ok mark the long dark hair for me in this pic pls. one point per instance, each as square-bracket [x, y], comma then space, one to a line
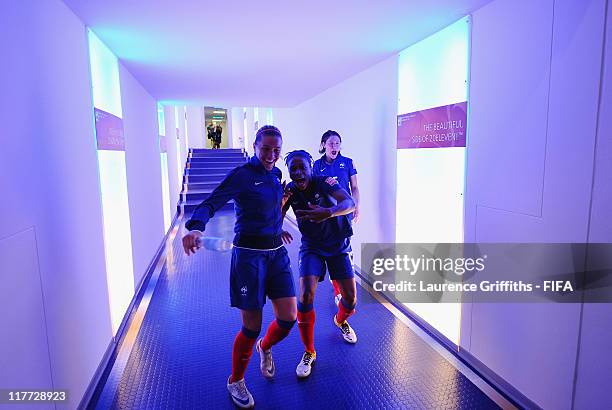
[326, 135]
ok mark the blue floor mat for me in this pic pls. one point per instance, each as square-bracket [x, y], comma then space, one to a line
[182, 354]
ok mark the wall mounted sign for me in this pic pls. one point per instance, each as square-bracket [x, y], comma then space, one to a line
[438, 127]
[109, 131]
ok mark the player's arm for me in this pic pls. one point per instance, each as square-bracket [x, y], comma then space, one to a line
[287, 192]
[344, 204]
[285, 209]
[354, 189]
[286, 204]
[355, 195]
[226, 190]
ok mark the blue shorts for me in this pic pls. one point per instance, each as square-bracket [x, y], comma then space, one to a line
[256, 274]
[313, 263]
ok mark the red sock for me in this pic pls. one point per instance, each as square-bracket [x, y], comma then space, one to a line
[241, 354]
[277, 331]
[306, 321]
[343, 312]
[336, 288]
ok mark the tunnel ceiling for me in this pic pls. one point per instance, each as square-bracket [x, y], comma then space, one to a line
[266, 53]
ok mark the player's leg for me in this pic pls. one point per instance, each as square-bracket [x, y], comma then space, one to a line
[281, 291]
[312, 270]
[241, 355]
[341, 269]
[245, 295]
[244, 342]
[348, 290]
[337, 293]
[306, 322]
[285, 312]
[306, 312]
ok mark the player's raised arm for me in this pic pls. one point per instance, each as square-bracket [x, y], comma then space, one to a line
[227, 189]
[345, 205]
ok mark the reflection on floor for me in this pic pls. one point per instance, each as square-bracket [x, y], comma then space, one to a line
[181, 357]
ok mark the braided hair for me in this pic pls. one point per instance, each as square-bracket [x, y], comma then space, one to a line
[267, 131]
[298, 153]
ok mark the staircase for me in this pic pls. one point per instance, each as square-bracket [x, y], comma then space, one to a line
[205, 169]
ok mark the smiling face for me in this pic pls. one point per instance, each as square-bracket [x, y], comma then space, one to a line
[300, 172]
[332, 147]
[268, 150]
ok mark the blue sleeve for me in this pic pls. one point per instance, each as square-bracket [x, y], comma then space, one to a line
[329, 187]
[352, 170]
[316, 167]
[289, 203]
[227, 189]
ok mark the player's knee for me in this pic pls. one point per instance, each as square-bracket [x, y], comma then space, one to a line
[291, 315]
[250, 333]
[286, 324]
[287, 313]
[307, 296]
[349, 299]
[251, 319]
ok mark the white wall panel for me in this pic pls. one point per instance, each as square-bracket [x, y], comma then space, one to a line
[530, 155]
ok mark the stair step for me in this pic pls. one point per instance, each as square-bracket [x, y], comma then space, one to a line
[195, 195]
[197, 191]
[234, 160]
[226, 157]
[190, 206]
[196, 186]
[216, 178]
[217, 154]
[221, 151]
[204, 165]
[208, 171]
[204, 170]
[229, 210]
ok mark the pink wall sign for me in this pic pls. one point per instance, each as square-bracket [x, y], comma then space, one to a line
[438, 127]
[109, 131]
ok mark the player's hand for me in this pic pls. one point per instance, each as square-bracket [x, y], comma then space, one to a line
[356, 215]
[316, 214]
[286, 237]
[331, 181]
[286, 194]
[190, 242]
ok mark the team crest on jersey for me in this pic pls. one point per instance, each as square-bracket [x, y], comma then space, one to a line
[243, 290]
[342, 165]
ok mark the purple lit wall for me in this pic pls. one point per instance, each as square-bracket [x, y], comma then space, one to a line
[172, 144]
[51, 215]
[53, 292]
[533, 118]
[594, 362]
[143, 171]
